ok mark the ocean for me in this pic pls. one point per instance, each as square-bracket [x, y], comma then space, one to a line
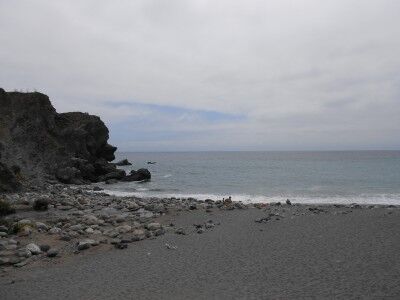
[365, 177]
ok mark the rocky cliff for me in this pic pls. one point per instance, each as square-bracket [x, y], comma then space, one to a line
[39, 144]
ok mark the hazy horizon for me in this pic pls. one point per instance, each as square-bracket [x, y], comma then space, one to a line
[214, 75]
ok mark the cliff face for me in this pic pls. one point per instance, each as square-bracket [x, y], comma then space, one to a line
[37, 143]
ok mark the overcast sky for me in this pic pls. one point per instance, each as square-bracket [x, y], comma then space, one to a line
[214, 75]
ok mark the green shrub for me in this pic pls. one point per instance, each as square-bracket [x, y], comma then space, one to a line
[6, 208]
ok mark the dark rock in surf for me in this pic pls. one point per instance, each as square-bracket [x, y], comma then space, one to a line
[139, 175]
[123, 162]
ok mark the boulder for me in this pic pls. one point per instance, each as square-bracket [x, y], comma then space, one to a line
[139, 175]
[38, 143]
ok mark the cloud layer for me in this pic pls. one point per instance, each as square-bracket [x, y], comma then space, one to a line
[214, 75]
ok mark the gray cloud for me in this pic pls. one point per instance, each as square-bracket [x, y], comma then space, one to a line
[305, 74]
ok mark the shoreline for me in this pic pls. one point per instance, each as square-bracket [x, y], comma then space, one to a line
[83, 217]
[225, 252]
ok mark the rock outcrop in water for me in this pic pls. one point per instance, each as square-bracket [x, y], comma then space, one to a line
[39, 144]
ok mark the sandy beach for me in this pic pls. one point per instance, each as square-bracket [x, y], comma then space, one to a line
[295, 253]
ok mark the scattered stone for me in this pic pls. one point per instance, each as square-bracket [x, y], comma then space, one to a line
[153, 226]
[121, 246]
[41, 204]
[44, 248]
[4, 261]
[33, 248]
[262, 220]
[97, 188]
[288, 202]
[115, 241]
[21, 264]
[24, 253]
[124, 228]
[41, 226]
[168, 246]
[86, 244]
[200, 230]
[52, 253]
[54, 230]
[180, 231]
[90, 220]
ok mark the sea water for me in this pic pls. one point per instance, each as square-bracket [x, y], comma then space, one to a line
[303, 177]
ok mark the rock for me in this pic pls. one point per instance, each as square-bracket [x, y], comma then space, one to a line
[3, 234]
[52, 253]
[4, 261]
[123, 162]
[24, 222]
[159, 232]
[121, 246]
[180, 231]
[138, 235]
[262, 220]
[111, 233]
[97, 189]
[3, 228]
[86, 244]
[168, 246]
[153, 226]
[41, 204]
[89, 230]
[111, 181]
[3, 245]
[22, 263]
[200, 230]
[54, 230]
[23, 252]
[115, 241]
[38, 144]
[132, 206]
[24, 230]
[90, 220]
[33, 248]
[288, 202]
[116, 174]
[76, 227]
[124, 228]
[192, 207]
[139, 175]
[41, 226]
[44, 247]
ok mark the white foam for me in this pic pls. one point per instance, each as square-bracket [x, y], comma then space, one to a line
[361, 199]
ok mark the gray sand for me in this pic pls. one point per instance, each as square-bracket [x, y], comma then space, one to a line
[353, 255]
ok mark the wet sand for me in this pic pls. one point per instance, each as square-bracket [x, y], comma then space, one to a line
[341, 253]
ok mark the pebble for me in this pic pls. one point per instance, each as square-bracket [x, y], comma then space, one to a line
[44, 248]
[153, 226]
[52, 253]
[33, 248]
[54, 230]
[180, 231]
[124, 228]
[121, 246]
[41, 226]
